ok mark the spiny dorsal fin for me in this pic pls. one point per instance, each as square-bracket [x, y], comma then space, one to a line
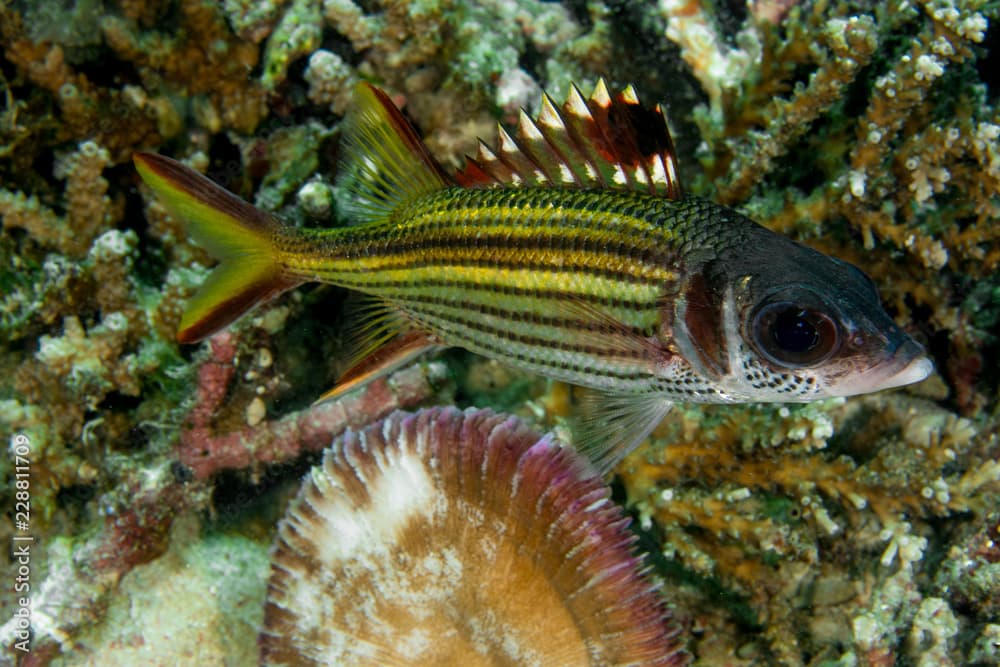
[600, 142]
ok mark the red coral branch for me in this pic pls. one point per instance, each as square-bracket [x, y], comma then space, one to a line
[206, 452]
[138, 533]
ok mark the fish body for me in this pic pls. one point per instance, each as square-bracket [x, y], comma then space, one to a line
[564, 254]
[497, 271]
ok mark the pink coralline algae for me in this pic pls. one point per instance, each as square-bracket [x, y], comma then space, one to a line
[205, 451]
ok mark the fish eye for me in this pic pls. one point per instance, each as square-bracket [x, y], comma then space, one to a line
[793, 335]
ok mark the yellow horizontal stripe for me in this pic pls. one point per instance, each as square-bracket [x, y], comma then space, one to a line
[501, 278]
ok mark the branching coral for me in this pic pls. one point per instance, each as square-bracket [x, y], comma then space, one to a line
[847, 46]
[215, 77]
[68, 395]
[768, 501]
[455, 62]
[856, 122]
[257, 442]
[88, 208]
[910, 154]
[86, 110]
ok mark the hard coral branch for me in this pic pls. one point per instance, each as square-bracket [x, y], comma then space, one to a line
[901, 151]
[779, 518]
[89, 211]
[851, 44]
[207, 452]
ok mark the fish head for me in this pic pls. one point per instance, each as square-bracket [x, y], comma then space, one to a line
[772, 320]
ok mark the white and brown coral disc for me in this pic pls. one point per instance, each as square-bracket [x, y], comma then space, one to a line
[459, 538]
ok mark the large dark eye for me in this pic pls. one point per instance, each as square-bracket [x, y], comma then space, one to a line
[793, 335]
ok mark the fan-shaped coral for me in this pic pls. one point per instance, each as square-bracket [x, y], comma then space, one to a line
[446, 538]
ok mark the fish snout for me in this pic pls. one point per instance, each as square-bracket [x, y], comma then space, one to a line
[911, 363]
[907, 364]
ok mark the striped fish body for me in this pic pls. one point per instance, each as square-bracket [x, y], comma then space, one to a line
[562, 253]
[520, 274]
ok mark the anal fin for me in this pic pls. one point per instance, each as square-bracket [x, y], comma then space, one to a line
[610, 425]
[398, 351]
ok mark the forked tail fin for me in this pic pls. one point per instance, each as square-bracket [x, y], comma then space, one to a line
[239, 235]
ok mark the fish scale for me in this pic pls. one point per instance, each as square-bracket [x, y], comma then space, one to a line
[486, 244]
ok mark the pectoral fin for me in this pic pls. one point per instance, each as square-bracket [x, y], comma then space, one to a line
[610, 426]
[596, 328]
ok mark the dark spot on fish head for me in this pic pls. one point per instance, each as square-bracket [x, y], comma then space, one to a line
[693, 318]
[703, 319]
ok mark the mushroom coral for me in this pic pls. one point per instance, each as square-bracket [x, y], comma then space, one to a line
[446, 537]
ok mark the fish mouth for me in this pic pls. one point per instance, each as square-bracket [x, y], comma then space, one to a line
[916, 370]
[906, 365]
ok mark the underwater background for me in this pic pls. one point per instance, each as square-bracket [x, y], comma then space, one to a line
[144, 480]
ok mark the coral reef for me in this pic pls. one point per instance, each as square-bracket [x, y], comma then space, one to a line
[214, 582]
[136, 515]
[88, 209]
[902, 140]
[261, 442]
[769, 519]
[855, 532]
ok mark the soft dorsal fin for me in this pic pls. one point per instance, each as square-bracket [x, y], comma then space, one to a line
[385, 163]
[600, 142]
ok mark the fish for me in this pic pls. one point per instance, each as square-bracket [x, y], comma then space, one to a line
[568, 249]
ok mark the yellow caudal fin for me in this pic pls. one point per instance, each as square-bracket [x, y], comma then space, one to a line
[385, 163]
[239, 235]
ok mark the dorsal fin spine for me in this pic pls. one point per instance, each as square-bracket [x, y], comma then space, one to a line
[553, 127]
[538, 149]
[601, 96]
[603, 141]
[521, 167]
[490, 162]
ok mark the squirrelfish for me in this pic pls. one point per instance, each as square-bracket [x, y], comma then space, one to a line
[569, 251]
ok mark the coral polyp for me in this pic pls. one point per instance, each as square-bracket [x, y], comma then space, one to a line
[447, 537]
